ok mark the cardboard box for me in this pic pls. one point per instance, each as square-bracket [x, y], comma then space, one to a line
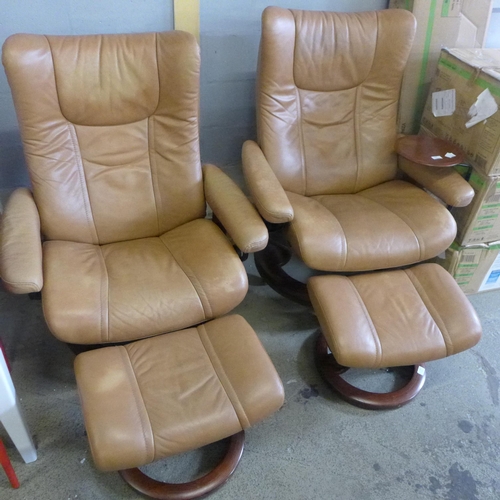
[475, 268]
[479, 222]
[469, 72]
[440, 23]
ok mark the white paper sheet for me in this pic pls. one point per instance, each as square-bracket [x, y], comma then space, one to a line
[484, 107]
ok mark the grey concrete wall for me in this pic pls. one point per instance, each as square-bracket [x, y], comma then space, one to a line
[230, 33]
[64, 17]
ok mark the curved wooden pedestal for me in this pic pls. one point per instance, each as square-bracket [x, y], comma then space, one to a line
[269, 263]
[331, 372]
[194, 489]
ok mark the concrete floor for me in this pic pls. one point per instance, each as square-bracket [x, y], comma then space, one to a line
[444, 445]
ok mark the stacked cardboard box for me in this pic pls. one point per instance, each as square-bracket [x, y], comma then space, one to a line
[469, 72]
[440, 23]
[476, 268]
[474, 259]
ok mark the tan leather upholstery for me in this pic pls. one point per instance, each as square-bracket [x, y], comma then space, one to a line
[267, 192]
[394, 318]
[445, 183]
[176, 392]
[389, 225]
[134, 289]
[327, 100]
[110, 131]
[21, 246]
[328, 95]
[232, 208]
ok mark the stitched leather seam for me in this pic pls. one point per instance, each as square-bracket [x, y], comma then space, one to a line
[294, 224]
[158, 74]
[376, 46]
[301, 140]
[344, 240]
[83, 183]
[36, 285]
[278, 215]
[80, 169]
[256, 244]
[194, 282]
[139, 398]
[152, 168]
[433, 312]
[402, 218]
[356, 137]
[225, 383]
[104, 329]
[329, 336]
[378, 344]
[357, 148]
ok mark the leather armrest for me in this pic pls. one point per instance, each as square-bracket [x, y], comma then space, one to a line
[238, 216]
[267, 193]
[445, 183]
[21, 244]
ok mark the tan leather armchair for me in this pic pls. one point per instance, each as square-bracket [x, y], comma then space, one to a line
[114, 235]
[323, 172]
[110, 132]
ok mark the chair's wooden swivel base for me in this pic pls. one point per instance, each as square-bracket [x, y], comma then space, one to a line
[173, 393]
[386, 319]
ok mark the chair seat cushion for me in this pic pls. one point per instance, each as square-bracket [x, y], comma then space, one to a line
[390, 225]
[394, 318]
[175, 392]
[134, 289]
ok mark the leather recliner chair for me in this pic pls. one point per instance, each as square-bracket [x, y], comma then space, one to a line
[110, 132]
[324, 173]
[114, 235]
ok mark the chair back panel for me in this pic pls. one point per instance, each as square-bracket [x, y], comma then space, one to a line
[110, 132]
[327, 96]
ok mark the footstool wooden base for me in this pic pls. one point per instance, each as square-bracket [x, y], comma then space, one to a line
[386, 319]
[173, 393]
[331, 371]
[194, 489]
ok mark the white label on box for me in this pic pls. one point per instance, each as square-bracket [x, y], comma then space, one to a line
[469, 257]
[443, 103]
[492, 278]
[484, 107]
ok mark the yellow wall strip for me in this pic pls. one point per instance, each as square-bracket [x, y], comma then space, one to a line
[187, 16]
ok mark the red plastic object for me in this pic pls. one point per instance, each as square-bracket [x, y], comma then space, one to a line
[7, 466]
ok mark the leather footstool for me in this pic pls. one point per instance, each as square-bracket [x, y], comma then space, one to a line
[386, 319]
[172, 393]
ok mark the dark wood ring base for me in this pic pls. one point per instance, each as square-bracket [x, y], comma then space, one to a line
[194, 489]
[331, 372]
[269, 263]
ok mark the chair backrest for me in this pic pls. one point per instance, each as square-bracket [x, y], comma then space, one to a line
[327, 96]
[110, 132]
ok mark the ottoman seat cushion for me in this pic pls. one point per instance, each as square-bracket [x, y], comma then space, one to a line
[394, 318]
[175, 392]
